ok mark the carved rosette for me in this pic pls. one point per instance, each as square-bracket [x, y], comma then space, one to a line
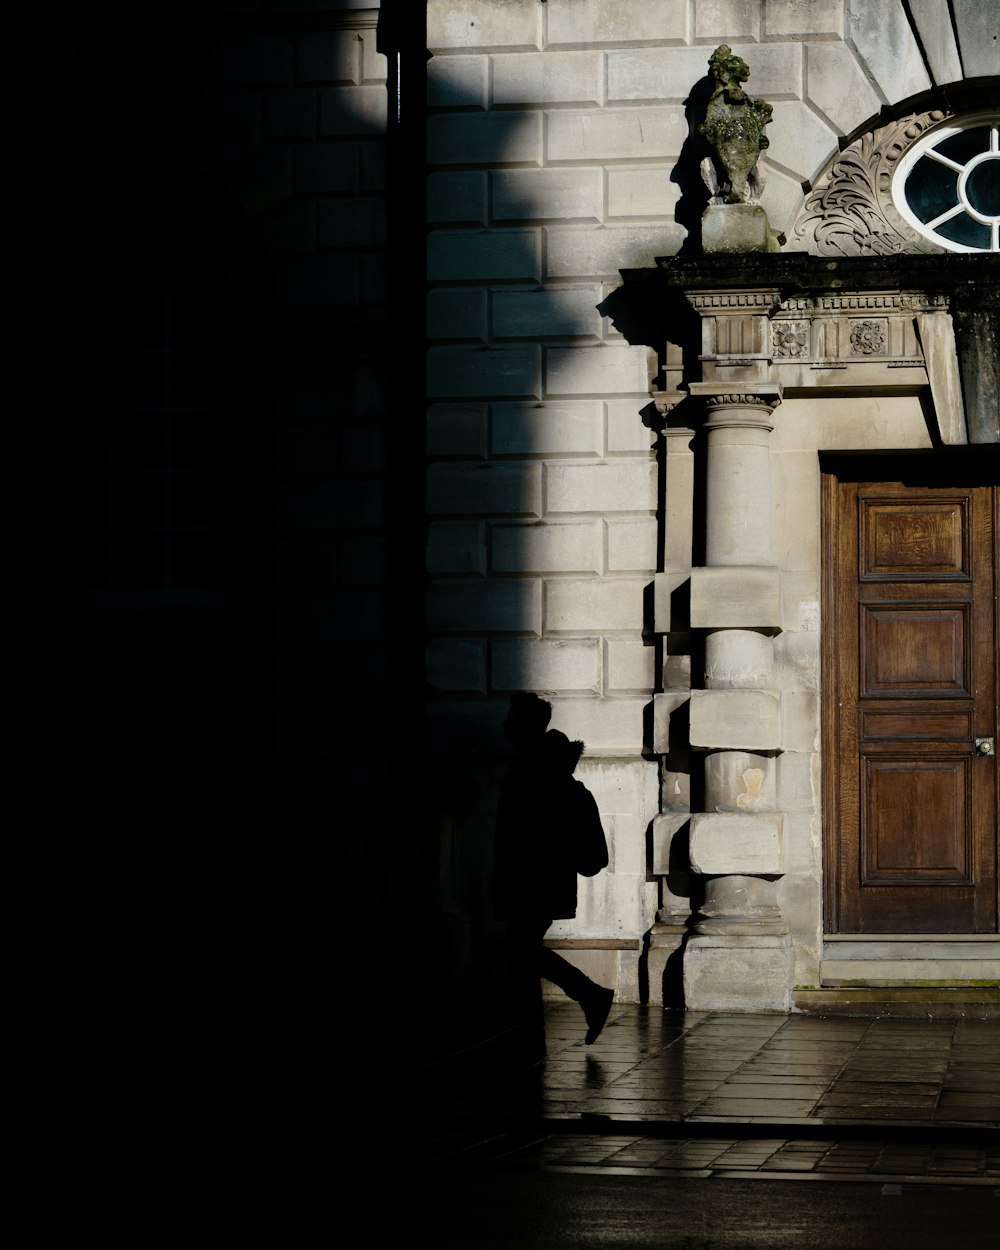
[867, 338]
[790, 338]
[850, 212]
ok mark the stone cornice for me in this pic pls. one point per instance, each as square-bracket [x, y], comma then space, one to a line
[793, 273]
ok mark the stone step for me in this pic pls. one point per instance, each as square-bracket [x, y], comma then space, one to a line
[980, 1002]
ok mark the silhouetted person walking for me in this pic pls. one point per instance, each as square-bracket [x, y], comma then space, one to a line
[547, 829]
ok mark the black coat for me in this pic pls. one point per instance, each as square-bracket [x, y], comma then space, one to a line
[534, 870]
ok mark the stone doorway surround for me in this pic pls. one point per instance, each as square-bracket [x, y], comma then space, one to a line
[785, 356]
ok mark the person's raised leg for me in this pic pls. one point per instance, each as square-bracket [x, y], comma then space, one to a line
[593, 998]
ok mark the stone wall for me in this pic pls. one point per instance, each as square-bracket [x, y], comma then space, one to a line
[562, 149]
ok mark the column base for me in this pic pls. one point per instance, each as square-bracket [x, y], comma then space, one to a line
[664, 962]
[744, 972]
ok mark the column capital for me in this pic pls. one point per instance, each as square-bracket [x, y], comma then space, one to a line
[751, 399]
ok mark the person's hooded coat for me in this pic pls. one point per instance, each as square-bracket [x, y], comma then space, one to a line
[534, 864]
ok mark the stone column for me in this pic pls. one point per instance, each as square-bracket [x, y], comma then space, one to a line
[738, 954]
[671, 861]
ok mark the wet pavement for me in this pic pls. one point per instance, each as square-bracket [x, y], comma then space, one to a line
[711, 1093]
[687, 1130]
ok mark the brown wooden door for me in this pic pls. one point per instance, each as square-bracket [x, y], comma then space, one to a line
[911, 664]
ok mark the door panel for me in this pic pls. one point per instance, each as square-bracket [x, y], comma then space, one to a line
[910, 661]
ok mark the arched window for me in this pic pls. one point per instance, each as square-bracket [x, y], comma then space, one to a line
[947, 185]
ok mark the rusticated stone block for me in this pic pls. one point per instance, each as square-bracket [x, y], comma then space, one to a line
[736, 719]
[733, 842]
[666, 610]
[665, 705]
[738, 973]
[736, 597]
[665, 828]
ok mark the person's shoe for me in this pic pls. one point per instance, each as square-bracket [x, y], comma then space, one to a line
[596, 1010]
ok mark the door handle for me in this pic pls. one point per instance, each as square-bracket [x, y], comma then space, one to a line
[985, 746]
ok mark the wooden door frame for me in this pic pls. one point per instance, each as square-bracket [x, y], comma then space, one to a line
[831, 467]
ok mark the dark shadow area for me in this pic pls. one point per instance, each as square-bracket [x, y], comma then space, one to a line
[211, 735]
[687, 172]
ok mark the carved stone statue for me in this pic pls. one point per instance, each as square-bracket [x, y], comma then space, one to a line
[734, 128]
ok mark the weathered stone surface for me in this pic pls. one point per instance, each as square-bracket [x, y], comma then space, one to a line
[631, 544]
[456, 548]
[616, 135]
[937, 338]
[550, 194]
[626, 429]
[331, 57]
[629, 666]
[570, 547]
[738, 659]
[458, 255]
[457, 81]
[977, 331]
[668, 74]
[665, 705]
[457, 664]
[801, 143]
[736, 719]
[668, 587]
[796, 486]
[535, 314]
[800, 727]
[587, 252]
[740, 781]
[546, 428]
[352, 110]
[978, 30]
[719, 19]
[547, 78]
[576, 23]
[736, 228]
[913, 971]
[837, 86]
[666, 829]
[641, 192]
[472, 24]
[723, 842]
[608, 726]
[878, 29]
[493, 607]
[818, 19]
[597, 370]
[482, 138]
[457, 197]
[580, 606]
[781, 199]
[735, 597]
[739, 973]
[569, 665]
[614, 486]
[473, 371]
[456, 313]
[937, 35]
[488, 488]
[456, 430]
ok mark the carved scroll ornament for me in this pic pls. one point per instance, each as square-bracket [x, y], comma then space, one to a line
[850, 212]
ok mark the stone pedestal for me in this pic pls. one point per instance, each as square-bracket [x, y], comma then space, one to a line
[741, 972]
[736, 228]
